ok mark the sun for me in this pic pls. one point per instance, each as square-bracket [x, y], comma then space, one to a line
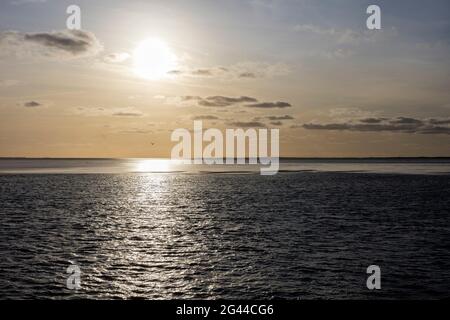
[153, 59]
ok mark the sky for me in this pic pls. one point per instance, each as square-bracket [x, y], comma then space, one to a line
[312, 69]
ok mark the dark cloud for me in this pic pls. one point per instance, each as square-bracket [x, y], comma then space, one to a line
[329, 126]
[372, 120]
[403, 120]
[439, 121]
[204, 117]
[224, 101]
[221, 101]
[32, 104]
[362, 127]
[72, 43]
[269, 105]
[276, 118]
[399, 124]
[436, 130]
[250, 124]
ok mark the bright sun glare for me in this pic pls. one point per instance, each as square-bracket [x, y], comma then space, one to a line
[153, 59]
[153, 165]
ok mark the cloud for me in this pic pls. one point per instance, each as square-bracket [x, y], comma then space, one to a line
[277, 118]
[224, 101]
[403, 120]
[372, 120]
[8, 83]
[136, 131]
[19, 2]
[72, 41]
[436, 130]
[117, 57]
[314, 29]
[276, 123]
[255, 69]
[32, 104]
[346, 36]
[269, 105]
[439, 121]
[399, 124]
[247, 75]
[221, 101]
[191, 98]
[56, 44]
[338, 53]
[205, 117]
[266, 4]
[115, 112]
[242, 70]
[342, 36]
[250, 124]
[175, 72]
[202, 72]
[127, 114]
[351, 113]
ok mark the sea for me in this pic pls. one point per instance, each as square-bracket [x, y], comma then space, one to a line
[154, 229]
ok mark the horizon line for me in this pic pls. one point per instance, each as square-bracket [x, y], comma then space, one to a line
[281, 158]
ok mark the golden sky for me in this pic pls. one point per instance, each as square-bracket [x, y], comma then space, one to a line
[139, 69]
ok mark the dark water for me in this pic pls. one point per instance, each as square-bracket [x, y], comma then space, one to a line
[293, 235]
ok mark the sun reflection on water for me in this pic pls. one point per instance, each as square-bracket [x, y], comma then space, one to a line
[153, 165]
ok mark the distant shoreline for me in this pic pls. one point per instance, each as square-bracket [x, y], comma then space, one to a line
[281, 158]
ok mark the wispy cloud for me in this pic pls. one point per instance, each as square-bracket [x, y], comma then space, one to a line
[205, 117]
[115, 112]
[345, 36]
[399, 124]
[8, 83]
[275, 120]
[127, 114]
[243, 70]
[117, 57]
[221, 101]
[19, 2]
